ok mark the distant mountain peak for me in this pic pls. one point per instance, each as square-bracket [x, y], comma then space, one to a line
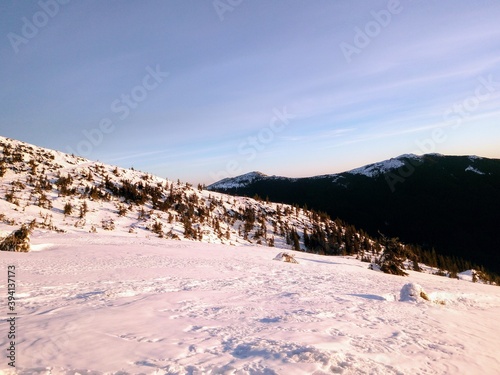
[254, 174]
[238, 181]
[382, 167]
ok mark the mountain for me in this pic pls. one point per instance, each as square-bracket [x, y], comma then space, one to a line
[241, 181]
[46, 190]
[449, 203]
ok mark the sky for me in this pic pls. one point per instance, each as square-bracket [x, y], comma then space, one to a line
[201, 90]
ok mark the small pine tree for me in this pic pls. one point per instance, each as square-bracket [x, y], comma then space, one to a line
[108, 224]
[83, 209]
[10, 196]
[68, 209]
[3, 168]
[44, 202]
[122, 210]
[188, 229]
[416, 267]
[158, 228]
[270, 242]
[142, 214]
[474, 277]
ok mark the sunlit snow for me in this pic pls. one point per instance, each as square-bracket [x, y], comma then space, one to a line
[121, 304]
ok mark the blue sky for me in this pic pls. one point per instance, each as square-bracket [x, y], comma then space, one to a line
[199, 90]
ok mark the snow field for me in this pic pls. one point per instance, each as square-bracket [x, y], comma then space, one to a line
[112, 304]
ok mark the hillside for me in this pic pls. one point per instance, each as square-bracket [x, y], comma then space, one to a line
[449, 203]
[50, 190]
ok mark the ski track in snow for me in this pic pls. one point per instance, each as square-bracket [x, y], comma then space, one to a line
[118, 305]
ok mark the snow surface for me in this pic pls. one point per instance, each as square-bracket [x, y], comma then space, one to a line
[116, 303]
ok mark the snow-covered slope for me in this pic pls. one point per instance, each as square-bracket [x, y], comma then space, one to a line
[70, 194]
[115, 304]
[376, 169]
[239, 181]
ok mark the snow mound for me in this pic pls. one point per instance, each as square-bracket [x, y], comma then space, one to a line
[285, 257]
[412, 292]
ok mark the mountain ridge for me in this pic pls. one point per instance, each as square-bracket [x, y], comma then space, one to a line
[450, 203]
[369, 170]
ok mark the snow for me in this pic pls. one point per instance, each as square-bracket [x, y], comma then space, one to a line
[474, 158]
[115, 303]
[470, 168]
[237, 182]
[376, 169]
[412, 292]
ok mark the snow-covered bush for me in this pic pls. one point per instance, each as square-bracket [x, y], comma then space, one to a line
[18, 240]
[108, 224]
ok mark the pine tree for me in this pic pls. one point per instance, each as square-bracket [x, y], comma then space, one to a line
[68, 209]
[3, 168]
[83, 209]
[158, 228]
[392, 258]
[474, 277]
